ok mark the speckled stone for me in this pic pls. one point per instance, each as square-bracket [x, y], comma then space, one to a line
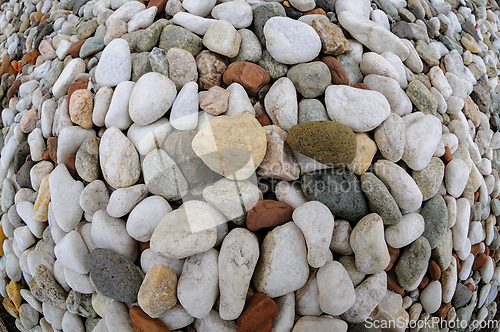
[114, 275]
[45, 288]
[426, 53]
[176, 36]
[325, 141]
[273, 67]
[87, 159]
[429, 179]
[312, 110]
[413, 262]
[421, 97]
[80, 304]
[339, 189]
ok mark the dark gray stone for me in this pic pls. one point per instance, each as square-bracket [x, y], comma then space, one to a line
[114, 275]
[462, 296]
[339, 189]
[402, 30]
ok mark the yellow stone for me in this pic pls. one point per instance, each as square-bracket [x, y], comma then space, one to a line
[332, 38]
[41, 208]
[232, 146]
[286, 3]
[9, 307]
[469, 43]
[13, 291]
[366, 149]
[80, 108]
[158, 291]
[2, 238]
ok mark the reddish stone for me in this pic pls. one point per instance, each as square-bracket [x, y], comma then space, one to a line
[52, 146]
[46, 155]
[487, 250]
[434, 270]
[338, 73]
[447, 157]
[143, 246]
[70, 164]
[263, 120]
[443, 310]
[317, 11]
[393, 284]
[143, 323]
[476, 196]
[470, 286]
[160, 4]
[74, 49]
[13, 89]
[474, 249]
[258, 314]
[394, 253]
[361, 86]
[268, 213]
[425, 280]
[76, 86]
[210, 66]
[479, 262]
[251, 76]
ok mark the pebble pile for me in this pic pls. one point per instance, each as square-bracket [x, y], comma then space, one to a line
[213, 166]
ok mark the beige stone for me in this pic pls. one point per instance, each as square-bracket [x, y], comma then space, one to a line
[80, 108]
[41, 208]
[332, 39]
[233, 146]
[366, 149]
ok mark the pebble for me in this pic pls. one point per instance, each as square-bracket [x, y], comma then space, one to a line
[184, 232]
[430, 178]
[431, 297]
[72, 252]
[237, 260]
[325, 186]
[289, 41]
[114, 275]
[46, 289]
[275, 274]
[410, 227]
[316, 223]
[251, 76]
[456, 176]
[116, 149]
[154, 92]
[158, 291]
[197, 289]
[219, 135]
[147, 138]
[115, 65]
[412, 262]
[118, 110]
[370, 251]
[328, 142]
[123, 200]
[310, 79]
[435, 214]
[398, 100]
[222, 38]
[184, 113]
[145, 216]
[239, 13]
[350, 106]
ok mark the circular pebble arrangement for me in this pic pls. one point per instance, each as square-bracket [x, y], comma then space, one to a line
[243, 165]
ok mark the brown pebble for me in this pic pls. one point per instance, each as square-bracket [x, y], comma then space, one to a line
[160, 4]
[28, 121]
[487, 250]
[459, 266]
[447, 157]
[52, 146]
[251, 76]
[492, 253]
[37, 17]
[46, 155]
[476, 196]
[339, 76]
[268, 213]
[29, 57]
[361, 86]
[442, 66]
[394, 254]
[6, 66]
[425, 280]
[474, 249]
[316, 11]
[258, 314]
[264, 120]
[426, 68]
[434, 270]
[393, 284]
[479, 262]
[74, 49]
[13, 89]
[143, 323]
[70, 164]
[443, 310]
[143, 246]
[45, 16]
